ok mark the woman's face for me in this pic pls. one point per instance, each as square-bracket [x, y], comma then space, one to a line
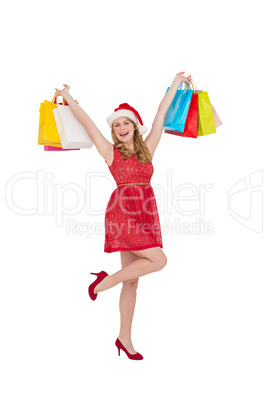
[124, 129]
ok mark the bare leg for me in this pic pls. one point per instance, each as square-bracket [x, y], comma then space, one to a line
[127, 303]
[153, 259]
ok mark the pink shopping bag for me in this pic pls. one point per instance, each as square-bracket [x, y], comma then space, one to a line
[49, 148]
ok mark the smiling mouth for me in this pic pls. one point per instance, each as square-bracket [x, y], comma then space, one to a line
[121, 135]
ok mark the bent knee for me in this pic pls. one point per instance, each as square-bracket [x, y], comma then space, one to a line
[161, 262]
[131, 284]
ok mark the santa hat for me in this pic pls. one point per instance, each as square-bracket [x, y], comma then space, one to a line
[124, 110]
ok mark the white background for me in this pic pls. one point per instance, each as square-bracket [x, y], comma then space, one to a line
[201, 322]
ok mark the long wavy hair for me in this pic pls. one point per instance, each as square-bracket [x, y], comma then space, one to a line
[141, 150]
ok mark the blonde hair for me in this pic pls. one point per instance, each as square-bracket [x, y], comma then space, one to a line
[141, 150]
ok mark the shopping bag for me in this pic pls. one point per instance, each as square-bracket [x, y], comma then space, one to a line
[71, 131]
[217, 119]
[177, 113]
[206, 122]
[49, 148]
[48, 133]
[191, 124]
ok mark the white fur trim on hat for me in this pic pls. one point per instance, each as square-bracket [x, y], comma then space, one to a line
[126, 113]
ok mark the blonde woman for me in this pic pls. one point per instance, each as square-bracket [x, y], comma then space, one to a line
[131, 219]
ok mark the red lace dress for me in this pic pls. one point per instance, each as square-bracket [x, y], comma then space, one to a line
[131, 217]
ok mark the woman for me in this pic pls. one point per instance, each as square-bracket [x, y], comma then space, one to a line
[131, 218]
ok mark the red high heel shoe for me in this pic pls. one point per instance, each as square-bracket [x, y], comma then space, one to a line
[136, 356]
[100, 276]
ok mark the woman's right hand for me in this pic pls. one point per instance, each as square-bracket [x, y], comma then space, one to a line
[63, 91]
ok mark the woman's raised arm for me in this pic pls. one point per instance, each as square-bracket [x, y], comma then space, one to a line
[104, 147]
[154, 136]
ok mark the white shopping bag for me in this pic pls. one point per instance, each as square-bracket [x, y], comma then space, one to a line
[71, 131]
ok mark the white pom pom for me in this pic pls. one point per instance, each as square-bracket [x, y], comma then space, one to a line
[142, 130]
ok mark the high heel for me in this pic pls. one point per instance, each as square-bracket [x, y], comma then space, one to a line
[135, 356]
[100, 276]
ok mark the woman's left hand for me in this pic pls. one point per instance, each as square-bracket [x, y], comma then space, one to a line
[181, 78]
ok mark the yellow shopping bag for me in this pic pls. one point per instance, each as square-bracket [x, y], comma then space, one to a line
[206, 122]
[48, 133]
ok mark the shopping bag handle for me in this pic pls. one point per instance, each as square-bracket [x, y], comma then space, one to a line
[187, 85]
[54, 100]
[194, 86]
[180, 86]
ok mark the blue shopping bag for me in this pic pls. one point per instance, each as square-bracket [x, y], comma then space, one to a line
[177, 113]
